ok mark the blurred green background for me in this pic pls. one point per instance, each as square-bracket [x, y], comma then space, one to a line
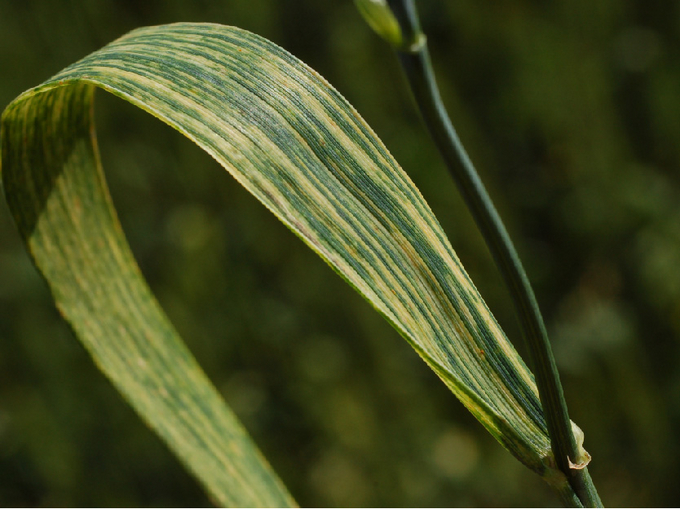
[571, 110]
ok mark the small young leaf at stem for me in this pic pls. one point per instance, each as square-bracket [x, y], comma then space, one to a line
[381, 19]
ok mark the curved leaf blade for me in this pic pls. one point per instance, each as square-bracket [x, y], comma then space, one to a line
[303, 151]
[65, 215]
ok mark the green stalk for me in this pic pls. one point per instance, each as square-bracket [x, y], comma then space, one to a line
[415, 60]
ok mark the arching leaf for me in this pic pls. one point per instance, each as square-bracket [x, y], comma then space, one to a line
[304, 152]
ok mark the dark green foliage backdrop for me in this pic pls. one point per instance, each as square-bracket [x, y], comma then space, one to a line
[571, 110]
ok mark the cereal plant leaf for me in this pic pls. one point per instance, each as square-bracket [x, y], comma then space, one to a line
[291, 140]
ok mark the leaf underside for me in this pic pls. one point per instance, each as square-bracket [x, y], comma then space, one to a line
[304, 152]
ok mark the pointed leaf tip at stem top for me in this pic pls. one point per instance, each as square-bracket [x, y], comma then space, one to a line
[379, 16]
[382, 19]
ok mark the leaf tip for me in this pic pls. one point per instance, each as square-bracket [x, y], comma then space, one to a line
[381, 19]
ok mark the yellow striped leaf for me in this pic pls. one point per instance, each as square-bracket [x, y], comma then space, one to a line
[304, 152]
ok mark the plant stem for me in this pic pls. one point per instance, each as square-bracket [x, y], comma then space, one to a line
[415, 60]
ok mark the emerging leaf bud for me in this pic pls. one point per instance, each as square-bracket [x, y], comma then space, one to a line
[381, 19]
